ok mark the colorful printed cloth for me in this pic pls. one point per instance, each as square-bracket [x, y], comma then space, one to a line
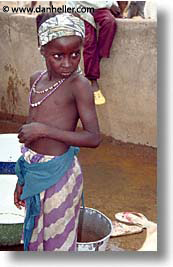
[60, 26]
[55, 228]
[87, 5]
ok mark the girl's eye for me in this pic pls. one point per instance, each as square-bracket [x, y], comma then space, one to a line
[75, 54]
[56, 56]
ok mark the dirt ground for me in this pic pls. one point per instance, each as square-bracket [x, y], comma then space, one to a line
[117, 177]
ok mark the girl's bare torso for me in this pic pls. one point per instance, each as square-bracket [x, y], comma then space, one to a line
[59, 111]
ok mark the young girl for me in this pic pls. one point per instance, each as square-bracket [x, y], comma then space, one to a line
[49, 175]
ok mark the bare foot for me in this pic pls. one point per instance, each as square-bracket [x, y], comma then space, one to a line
[94, 85]
[99, 99]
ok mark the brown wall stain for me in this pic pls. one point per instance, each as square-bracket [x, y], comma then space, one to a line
[12, 93]
[3, 104]
[14, 85]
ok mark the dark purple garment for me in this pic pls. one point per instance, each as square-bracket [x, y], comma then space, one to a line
[97, 47]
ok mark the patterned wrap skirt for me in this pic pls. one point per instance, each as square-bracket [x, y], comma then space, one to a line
[55, 228]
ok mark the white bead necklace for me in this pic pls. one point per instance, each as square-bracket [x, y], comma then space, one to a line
[33, 89]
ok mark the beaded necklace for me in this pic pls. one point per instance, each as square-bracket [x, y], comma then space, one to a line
[33, 89]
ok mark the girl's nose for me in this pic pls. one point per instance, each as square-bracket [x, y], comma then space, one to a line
[66, 63]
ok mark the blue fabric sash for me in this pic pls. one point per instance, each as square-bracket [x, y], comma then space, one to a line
[37, 177]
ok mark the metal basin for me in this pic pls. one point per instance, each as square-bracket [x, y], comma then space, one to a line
[94, 230]
[11, 226]
[11, 218]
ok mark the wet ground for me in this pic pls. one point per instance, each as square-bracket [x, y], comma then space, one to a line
[117, 177]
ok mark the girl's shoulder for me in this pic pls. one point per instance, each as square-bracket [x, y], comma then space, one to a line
[34, 76]
[79, 80]
[81, 87]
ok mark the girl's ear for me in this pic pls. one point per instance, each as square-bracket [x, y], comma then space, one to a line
[42, 51]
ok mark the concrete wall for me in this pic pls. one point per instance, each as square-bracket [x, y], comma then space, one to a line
[128, 78]
[129, 82]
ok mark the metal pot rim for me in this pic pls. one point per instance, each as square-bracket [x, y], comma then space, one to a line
[104, 238]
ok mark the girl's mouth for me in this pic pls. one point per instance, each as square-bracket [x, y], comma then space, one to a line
[66, 74]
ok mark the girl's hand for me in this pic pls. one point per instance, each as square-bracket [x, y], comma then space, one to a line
[30, 132]
[17, 193]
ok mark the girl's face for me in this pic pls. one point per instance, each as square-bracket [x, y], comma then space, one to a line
[62, 56]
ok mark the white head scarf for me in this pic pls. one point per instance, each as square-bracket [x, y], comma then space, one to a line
[60, 25]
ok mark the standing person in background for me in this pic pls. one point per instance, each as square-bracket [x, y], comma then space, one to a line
[123, 6]
[136, 8]
[97, 45]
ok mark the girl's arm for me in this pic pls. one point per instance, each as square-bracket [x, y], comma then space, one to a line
[88, 137]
